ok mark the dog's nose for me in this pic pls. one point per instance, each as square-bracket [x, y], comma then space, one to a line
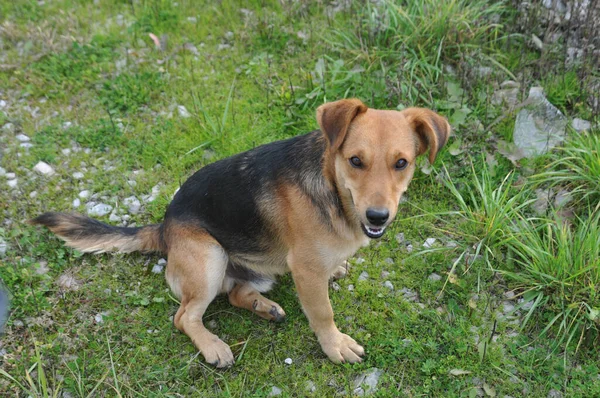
[377, 216]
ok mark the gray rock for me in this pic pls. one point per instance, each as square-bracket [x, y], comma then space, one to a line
[275, 391]
[429, 243]
[66, 151]
[389, 261]
[366, 383]
[409, 248]
[78, 175]
[157, 269]
[2, 172]
[114, 218]
[363, 276]
[580, 125]
[33, 194]
[507, 307]
[540, 126]
[23, 138]
[8, 127]
[562, 198]
[335, 286]
[68, 282]
[85, 194]
[98, 210]
[76, 202]
[540, 206]
[389, 285]
[409, 295]
[350, 288]
[67, 125]
[183, 112]
[192, 19]
[43, 168]
[2, 104]
[400, 238]
[12, 183]
[554, 394]
[3, 247]
[133, 204]
[434, 277]
[310, 386]
[506, 96]
[288, 361]
[384, 274]
[26, 145]
[11, 176]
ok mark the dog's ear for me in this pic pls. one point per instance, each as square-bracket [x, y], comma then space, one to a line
[335, 117]
[432, 130]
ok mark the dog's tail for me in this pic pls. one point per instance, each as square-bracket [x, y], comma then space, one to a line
[91, 236]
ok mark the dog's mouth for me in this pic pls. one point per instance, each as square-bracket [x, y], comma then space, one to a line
[373, 233]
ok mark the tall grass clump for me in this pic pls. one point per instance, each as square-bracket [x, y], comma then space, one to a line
[577, 168]
[488, 212]
[556, 266]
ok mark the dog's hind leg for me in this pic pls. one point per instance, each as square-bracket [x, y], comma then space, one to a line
[246, 296]
[195, 272]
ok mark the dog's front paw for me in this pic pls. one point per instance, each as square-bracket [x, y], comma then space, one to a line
[340, 348]
[341, 271]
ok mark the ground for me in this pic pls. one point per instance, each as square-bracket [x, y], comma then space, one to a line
[123, 101]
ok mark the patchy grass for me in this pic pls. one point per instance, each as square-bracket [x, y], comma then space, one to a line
[97, 97]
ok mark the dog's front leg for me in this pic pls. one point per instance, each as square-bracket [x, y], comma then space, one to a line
[312, 283]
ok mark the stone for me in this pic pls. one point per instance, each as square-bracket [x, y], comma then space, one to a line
[11, 176]
[78, 175]
[183, 112]
[114, 218]
[157, 269]
[384, 274]
[389, 285]
[409, 295]
[98, 318]
[85, 194]
[192, 19]
[409, 248]
[76, 202]
[363, 276]
[554, 394]
[335, 286]
[310, 386]
[562, 198]
[68, 282]
[33, 194]
[581, 125]
[99, 210]
[366, 383]
[26, 145]
[429, 243]
[507, 307]
[434, 277]
[133, 204]
[400, 238]
[288, 361]
[275, 391]
[2, 172]
[23, 138]
[12, 183]
[350, 288]
[43, 168]
[540, 126]
[3, 247]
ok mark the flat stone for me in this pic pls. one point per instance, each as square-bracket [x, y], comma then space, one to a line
[99, 210]
[183, 112]
[288, 361]
[11, 176]
[366, 383]
[26, 145]
[133, 204]
[114, 218]
[434, 277]
[157, 269]
[389, 285]
[275, 391]
[43, 168]
[3, 247]
[540, 126]
[429, 243]
[409, 295]
[581, 125]
[78, 175]
[23, 138]
[363, 276]
[76, 202]
[85, 194]
[12, 183]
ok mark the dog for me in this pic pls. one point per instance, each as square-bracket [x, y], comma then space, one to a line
[301, 205]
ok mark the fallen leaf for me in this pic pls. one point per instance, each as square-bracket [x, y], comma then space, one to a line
[155, 40]
[489, 390]
[459, 372]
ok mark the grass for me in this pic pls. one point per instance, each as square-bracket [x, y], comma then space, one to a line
[96, 96]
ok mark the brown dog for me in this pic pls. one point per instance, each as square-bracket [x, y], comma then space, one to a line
[302, 205]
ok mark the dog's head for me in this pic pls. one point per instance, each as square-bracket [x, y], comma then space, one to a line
[372, 154]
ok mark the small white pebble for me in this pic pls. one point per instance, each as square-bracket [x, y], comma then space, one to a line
[288, 361]
[23, 138]
[85, 194]
[98, 318]
[76, 202]
[78, 175]
[12, 183]
[162, 261]
[429, 243]
[389, 285]
[350, 287]
[33, 194]
[157, 269]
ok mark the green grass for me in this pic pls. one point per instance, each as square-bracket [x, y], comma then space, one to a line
[249, 73]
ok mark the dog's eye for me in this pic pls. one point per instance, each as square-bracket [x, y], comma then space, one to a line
[355, 161]
[401, 164]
